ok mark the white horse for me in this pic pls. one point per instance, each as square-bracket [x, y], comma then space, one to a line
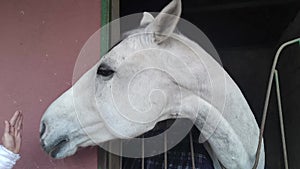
[181, 80]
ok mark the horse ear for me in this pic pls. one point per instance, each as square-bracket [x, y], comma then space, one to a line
[165, 22]
[147, 19]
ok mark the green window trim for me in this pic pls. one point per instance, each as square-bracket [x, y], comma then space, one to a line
[105, 32]
[102, 155]
[107, 160]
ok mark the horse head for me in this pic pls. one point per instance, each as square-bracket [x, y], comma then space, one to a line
[154, 73]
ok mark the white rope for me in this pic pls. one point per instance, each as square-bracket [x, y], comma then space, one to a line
[268, 98]
[281, 121]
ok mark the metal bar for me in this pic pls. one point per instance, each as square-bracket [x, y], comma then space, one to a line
[110, 157]
[285, 156]
[192, 150]
[143, 153]
[115, 9]
[102, 158]
[221, 165]
[165, 150]
[113, 159]
[266, 105]
[115, 30]
[121, 154]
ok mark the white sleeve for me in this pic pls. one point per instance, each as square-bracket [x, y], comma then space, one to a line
[7, 158]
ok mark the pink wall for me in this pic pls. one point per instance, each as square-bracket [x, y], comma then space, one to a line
[39, 43]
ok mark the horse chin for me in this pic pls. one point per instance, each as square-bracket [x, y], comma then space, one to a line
[63, 151]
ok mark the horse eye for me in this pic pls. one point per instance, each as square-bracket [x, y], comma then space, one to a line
[105, 71]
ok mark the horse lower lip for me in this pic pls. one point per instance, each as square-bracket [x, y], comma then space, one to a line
[57, 147]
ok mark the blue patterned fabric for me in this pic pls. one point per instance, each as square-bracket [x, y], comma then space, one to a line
[179, 157]
[175, 161]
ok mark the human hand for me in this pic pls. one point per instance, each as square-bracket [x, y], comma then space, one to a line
[12, 137]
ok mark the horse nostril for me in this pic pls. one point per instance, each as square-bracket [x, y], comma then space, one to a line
[43, 129]
[43, 144]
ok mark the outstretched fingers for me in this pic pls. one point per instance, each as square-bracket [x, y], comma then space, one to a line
[18, 132]
[7, 127]
[18, 142]
[19, 122]
[14, 118]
